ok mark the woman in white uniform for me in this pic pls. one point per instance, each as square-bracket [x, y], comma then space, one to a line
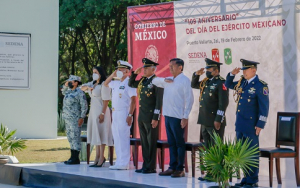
[99, 131]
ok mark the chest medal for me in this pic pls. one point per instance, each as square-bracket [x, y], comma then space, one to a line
[251, 90]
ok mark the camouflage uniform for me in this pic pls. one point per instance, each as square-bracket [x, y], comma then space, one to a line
[74, 107]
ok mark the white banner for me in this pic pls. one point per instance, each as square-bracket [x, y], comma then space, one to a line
[14, 61]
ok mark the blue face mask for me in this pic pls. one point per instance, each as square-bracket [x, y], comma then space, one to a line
[208, 74]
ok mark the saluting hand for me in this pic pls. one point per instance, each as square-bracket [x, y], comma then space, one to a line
[154, 123]
[235, 71]
[258, 129]
[217, 125]
[138, 70]
[169, 80]
[200, 72]
[115, 73]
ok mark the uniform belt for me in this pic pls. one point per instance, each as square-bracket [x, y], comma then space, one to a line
[119, 109]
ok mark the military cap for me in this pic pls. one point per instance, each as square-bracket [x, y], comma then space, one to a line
[124, 64]
[75, 78]
[149, 63]
[248, 64]
[211, 63]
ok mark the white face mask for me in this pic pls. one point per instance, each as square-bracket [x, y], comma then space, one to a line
[95, 76]
[120, 74]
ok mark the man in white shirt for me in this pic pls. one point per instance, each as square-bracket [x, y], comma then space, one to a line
[177, 104]
[123, 105]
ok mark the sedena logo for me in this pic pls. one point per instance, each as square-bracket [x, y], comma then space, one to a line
[227, 56]
[215, 54]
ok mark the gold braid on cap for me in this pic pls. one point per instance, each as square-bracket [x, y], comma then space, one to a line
[237, 90]
[201, 86]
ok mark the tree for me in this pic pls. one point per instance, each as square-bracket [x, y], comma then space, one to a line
[92, 32]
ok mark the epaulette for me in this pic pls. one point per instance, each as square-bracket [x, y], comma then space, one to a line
[242, 76]
[263, 82]
[221, 78]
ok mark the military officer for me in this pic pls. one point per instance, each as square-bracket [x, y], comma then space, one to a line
[213, 101]
[150, 103]
[123, 105]
[74, 111]
[252, 97]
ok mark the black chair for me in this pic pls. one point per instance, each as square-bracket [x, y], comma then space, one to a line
[135, 142]
[287, 134]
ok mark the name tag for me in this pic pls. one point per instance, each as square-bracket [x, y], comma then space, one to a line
[122, 87]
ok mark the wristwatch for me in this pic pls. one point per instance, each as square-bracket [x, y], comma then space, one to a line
[129, 115]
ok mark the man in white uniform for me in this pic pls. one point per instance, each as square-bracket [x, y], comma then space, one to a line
[123, 105]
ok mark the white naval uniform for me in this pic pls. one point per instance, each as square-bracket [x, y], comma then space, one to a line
[121, 99]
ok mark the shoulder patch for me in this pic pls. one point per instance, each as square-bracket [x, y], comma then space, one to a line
[265, 91]
[263, 82]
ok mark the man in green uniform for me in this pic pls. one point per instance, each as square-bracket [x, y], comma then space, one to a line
[213, 101]
[150, 102]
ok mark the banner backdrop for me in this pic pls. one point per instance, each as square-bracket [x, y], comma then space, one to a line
[226, 31]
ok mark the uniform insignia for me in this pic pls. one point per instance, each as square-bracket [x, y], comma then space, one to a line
[150, 86]
[224, 87]
[148, 95]
[251, 90]
[122, 87]
[263, 82]
[212, 87]
[265, 91]
[221, 78]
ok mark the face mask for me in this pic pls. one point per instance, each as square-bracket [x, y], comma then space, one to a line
[95, 76]
[208, 75]
[120, 74]
[70, 85]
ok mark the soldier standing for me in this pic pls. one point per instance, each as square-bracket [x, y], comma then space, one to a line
[252, 110]
[74, 112]
[213, 102]
[123, 105]
[150, 102]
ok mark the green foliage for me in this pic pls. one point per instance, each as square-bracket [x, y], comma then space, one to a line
[61, 125]
[224, 159]
[92, 33]
[8, 143]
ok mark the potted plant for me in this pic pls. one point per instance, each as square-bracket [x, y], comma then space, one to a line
[9, 144]
[224, 159]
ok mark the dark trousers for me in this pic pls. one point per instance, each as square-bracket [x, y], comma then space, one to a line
[252, 176]
[149, 137]
[207, 133]
[176, 142]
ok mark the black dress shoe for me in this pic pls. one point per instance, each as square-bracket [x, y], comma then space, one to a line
[240, 184]
[204, 179]
[251, 185]
[148, 171]
[139, 170]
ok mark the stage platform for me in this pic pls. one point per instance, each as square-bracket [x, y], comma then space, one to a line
[61, 175]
